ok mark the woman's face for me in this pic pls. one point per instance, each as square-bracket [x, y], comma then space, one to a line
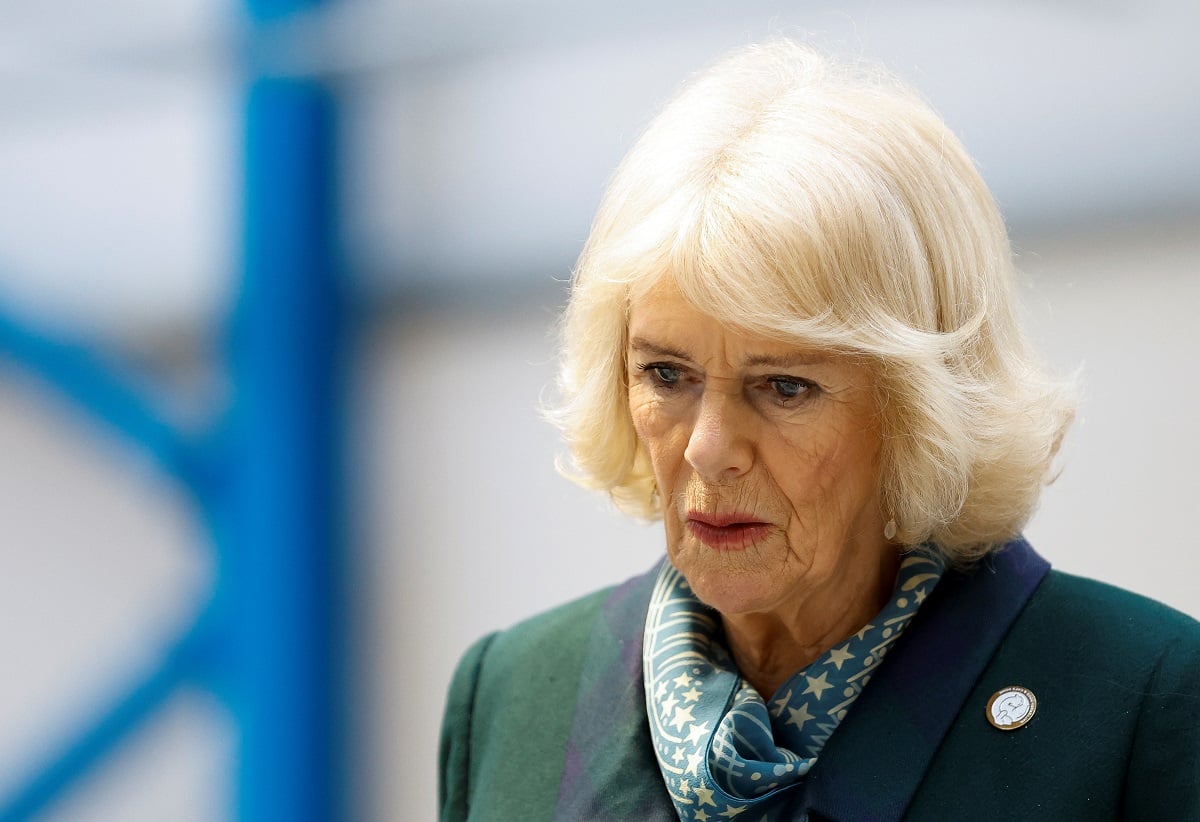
[766, 456]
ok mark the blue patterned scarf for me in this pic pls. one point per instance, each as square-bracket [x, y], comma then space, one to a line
[721, 749]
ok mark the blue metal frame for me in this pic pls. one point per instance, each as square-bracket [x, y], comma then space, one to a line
[267, 478]
[281, 569]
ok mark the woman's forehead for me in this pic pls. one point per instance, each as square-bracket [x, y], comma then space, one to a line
[753, 297]
[664, 304]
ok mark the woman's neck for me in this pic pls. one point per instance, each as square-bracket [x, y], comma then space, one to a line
[769, 647]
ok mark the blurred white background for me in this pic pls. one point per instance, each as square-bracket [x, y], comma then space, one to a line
[477, 139]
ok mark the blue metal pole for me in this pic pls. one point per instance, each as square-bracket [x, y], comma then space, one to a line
[280, 546]
[268, 482]
[280, 549]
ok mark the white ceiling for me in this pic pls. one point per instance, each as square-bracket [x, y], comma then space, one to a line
[478, 135]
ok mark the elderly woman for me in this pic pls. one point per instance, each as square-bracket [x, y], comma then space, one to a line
[792, 336]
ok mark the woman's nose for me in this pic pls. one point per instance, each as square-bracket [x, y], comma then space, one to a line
[720, 447]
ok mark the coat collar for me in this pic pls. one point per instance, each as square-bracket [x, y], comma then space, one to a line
[870, 768]
[873, 765]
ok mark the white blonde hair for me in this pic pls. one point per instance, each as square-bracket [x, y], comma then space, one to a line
[825, 205]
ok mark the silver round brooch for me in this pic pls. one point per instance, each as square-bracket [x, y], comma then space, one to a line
[1011, 708]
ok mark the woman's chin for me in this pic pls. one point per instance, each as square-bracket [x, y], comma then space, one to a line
[735, 591]
[753, 578]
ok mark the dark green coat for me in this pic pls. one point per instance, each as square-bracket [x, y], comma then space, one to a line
[547, 720]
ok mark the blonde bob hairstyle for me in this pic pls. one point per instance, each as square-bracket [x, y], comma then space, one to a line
[827, 206]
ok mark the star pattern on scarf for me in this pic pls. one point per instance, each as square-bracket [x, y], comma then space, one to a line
[839, 656]
[799, 717]
[818, 685]
[721, 748]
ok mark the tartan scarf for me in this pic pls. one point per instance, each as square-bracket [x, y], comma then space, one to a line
[721, 749]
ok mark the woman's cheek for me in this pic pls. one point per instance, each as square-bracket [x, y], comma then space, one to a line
[659, 431]
[649, 418]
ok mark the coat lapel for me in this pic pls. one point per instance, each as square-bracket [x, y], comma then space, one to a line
[610, 771]
[873, 765]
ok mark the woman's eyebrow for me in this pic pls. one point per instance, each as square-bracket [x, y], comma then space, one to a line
[644, 346]
[791, 359]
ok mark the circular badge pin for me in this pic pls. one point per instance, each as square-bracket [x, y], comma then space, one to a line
[1011, 708]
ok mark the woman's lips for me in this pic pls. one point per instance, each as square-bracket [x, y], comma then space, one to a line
[726, 532]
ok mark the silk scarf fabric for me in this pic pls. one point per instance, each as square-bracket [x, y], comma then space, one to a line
[721, 749]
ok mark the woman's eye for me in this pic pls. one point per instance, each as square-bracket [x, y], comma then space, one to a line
[662, 373]
[790, 388]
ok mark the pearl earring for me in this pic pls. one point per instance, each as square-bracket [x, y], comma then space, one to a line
[889, 530]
